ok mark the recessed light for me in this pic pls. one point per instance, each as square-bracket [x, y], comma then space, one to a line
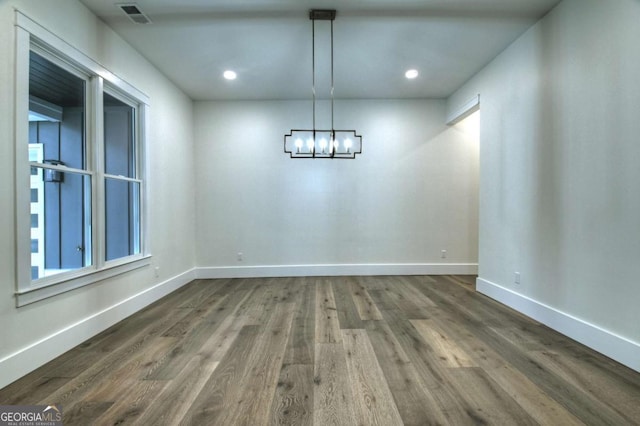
[230, 75]
[411, 74]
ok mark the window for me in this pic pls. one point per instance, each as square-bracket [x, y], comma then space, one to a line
[61, 196]
[79, 168]
[122, 183]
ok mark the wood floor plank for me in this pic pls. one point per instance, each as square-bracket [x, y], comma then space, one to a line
[80, 360]
[202, 290]
[217, 393]
[121, 340]
[33, 390]
[467, 302]
[416, 405]
[241, 389]
[170, 305]
[432, 375]
[190, 343]
[327, 323]
[332, 395]
[619, 397]
[410, 292]
[135, 368]
[373, 401]
[75, 389]
[367, 309]
[519, 336]
[300, 348]
[171, 405]
[446, 349]
[84, 413]
[479, 309]
[348, 316]
[220, 340]
[241, 297]
[491, 404]
[374, 283]
[468, 282]
[538, 404]
[482, 354]
[131, 404]
[261, 301]
[284, 290]
[195, 316]
[253, 403]
[402, 295]
[580, 404]
[543, 409]
[293, 401]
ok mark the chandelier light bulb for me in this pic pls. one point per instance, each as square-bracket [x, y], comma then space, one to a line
[323, 144]
[298, 144]
[347, 144]
[310, 144]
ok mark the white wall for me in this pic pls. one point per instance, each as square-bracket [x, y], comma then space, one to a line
[33, 334]
[560, 174]
[410, 194]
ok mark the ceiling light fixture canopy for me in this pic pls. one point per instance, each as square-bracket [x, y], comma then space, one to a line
[317, 143]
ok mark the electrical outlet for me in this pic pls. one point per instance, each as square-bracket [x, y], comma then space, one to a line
[516, 278]
[443, 254]
[156, 271]
[239, 256]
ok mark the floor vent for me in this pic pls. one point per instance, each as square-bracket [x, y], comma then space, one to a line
[134, 13]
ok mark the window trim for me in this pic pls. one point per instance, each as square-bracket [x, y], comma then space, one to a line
[31, 36]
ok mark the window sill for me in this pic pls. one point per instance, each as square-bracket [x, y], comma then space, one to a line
[80, 279]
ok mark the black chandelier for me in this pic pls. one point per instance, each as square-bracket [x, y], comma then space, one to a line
[317, 143]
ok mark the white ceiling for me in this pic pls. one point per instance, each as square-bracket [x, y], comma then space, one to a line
[268, 43]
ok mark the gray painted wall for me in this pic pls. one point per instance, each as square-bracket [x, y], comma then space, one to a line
[35, 333]
[559, 155]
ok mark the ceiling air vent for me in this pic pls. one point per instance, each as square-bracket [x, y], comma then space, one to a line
[134, 13]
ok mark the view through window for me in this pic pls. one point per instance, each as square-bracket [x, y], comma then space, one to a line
[60, 198]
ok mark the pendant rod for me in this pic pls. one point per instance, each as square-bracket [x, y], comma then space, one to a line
[332, 76]
[332, 138]
[313, 69]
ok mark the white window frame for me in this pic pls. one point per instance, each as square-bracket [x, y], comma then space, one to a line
[31, 36]
[139, 166]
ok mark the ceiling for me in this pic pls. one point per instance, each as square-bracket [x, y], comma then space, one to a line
[51, 83]
[268, 44]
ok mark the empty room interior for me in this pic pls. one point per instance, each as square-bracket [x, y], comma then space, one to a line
[393, 212]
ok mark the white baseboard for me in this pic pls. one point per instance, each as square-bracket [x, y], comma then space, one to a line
[615, 347]
[22, 362]
[336, 270]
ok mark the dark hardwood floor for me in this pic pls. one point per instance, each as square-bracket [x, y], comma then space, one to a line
[323, 351]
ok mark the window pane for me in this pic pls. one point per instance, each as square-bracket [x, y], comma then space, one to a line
[119, 137]
[56, 113]
[122, 218]
[61, 224]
